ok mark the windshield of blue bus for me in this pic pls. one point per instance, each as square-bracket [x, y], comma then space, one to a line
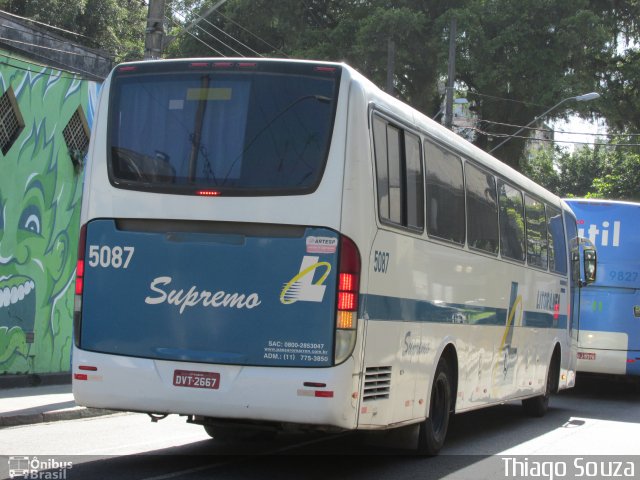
[180, 127]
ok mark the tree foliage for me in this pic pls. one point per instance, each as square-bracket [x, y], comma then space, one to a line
[357, 32]
[534, 53]
[515, 58]
[607, 171]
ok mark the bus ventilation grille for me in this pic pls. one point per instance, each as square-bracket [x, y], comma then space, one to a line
[377, 383]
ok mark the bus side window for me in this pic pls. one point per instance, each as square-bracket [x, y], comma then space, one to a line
[537, 250]
[511, 222]
[399, 177]
[482, 209]
[415, 182]
[445, 194]
[382, 168]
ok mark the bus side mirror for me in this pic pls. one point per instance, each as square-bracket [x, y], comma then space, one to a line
[590, 265]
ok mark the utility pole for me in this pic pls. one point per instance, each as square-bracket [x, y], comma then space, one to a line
[448, 110]
[391, 61]
[155, 30]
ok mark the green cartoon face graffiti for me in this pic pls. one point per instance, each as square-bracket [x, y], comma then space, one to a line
[32, 259]
[39, 214]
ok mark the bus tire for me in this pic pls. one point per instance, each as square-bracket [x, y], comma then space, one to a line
[538, 406]
[433, 430]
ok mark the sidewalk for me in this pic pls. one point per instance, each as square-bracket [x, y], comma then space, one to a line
[49, 403]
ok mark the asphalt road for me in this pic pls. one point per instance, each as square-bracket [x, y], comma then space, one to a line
[594, 428]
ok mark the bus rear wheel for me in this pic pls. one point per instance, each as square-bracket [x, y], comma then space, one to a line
[433, 430]
[538, 406]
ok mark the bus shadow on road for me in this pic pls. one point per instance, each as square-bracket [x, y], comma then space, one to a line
[475, 444]
[606, 387]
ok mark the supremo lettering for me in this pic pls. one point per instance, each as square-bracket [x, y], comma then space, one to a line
[193, 297]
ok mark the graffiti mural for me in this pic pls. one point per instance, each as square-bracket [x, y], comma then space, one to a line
[40, 197]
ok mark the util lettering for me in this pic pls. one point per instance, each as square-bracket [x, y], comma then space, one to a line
[192, 297]
[593, 231]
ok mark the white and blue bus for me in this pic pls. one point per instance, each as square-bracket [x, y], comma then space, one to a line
[278, 244]
[609, 332]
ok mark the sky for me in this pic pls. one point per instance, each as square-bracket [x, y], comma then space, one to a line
[569, 133]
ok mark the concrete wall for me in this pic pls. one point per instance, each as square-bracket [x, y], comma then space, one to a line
[31, 41]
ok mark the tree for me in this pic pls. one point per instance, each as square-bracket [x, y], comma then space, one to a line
[533, 53]
[621, 91]
[515, 58]
[353, 31]
[541, 168]
[620, 177]
[617, 68]
[610, 171]
[117, 26]
[577, 170]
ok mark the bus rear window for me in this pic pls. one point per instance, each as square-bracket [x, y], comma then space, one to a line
[254, 132]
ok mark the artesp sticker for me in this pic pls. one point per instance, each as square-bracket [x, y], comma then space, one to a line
[322, 245]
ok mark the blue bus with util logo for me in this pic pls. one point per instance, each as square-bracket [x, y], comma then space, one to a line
[609, 333]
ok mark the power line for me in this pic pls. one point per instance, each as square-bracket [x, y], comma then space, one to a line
[185, 29]
[218, 40]
[44, 35]
[197, 38]
[562, 131]
[49, 26]
[503, 135]
[72, 69]
[206, 44]
[251, 33]
[217, 12]
[502, 98]
[233, 38]
[212, 36]
[45, 48]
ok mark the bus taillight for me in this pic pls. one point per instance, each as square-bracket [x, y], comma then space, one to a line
[79, 277]
[82, 242]
[347, 299]
[208, 193]
[77, 303]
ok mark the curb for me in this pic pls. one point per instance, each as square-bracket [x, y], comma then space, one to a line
[34, 380]
[54, 416]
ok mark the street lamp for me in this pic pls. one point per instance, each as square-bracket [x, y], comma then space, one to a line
[580, 98]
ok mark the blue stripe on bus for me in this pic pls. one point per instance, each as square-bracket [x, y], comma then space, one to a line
[381, 307]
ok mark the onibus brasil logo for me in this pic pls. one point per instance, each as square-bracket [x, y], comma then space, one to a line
[42, 469]
[302, 287]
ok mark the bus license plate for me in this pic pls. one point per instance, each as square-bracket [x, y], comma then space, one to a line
[586, 356]
[193, 379]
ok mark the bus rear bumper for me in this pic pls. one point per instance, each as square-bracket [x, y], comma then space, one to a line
[610, 362]
[263, 394]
